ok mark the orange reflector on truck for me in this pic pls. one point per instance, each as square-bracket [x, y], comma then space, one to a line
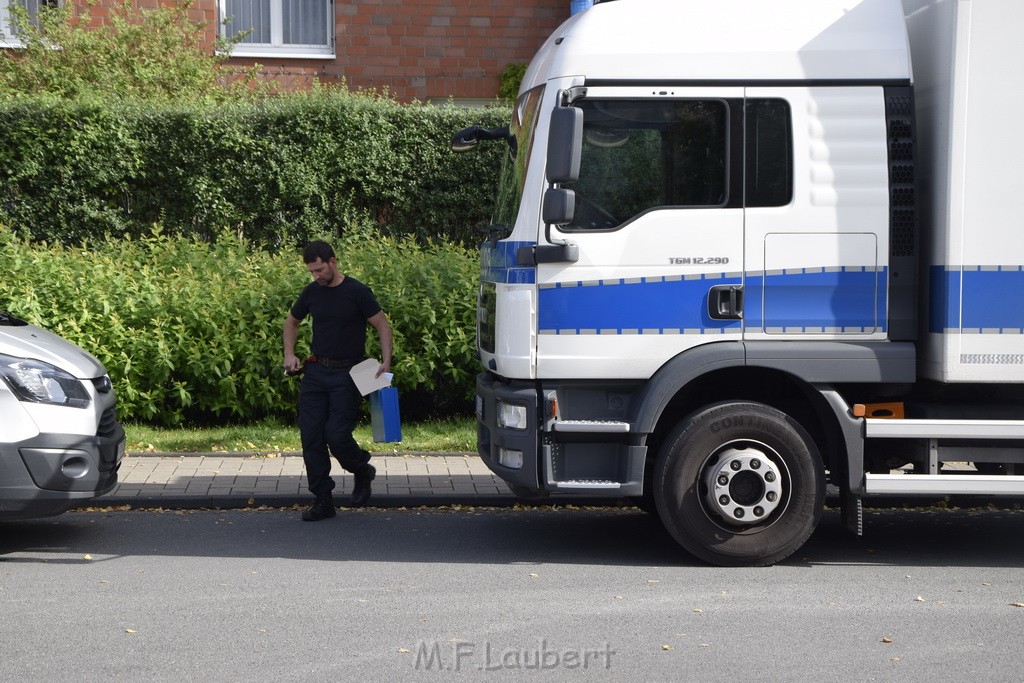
[892, 411]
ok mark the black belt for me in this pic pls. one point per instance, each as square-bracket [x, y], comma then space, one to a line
[331, 363]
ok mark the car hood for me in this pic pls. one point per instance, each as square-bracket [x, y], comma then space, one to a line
[29, 341]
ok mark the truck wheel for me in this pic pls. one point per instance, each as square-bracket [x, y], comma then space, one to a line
[739, 484]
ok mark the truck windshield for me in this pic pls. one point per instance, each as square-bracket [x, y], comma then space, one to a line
[513, 169]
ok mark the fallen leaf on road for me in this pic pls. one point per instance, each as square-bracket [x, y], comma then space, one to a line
[1017, 604]
[886, 639]
[698, 610]
[403, 650]
[666, 647]
[87, 557]
[918, 599]
[129, 630]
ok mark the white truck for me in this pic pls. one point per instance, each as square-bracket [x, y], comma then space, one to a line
[743, 249]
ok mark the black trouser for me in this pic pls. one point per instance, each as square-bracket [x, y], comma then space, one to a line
[328, 409]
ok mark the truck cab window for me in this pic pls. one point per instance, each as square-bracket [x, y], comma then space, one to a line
[642, 155]
[769, 148]
[512, 177]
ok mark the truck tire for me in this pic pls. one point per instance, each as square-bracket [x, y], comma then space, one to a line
[739, 484]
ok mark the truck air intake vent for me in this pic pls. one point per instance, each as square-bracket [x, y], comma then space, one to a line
[902, 196]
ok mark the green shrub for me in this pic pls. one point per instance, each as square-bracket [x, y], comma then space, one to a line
[275, 171]
[509, 80]
[190, 330]
[134, 53]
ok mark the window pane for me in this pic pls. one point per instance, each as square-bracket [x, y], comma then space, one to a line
[248, 15]
[304, 22]
[513, 169]
[33, 7]
[769, 153]
[639, 155]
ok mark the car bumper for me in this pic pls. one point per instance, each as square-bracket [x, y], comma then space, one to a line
[50, 473]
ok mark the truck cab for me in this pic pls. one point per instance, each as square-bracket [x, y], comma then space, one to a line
[705, 256]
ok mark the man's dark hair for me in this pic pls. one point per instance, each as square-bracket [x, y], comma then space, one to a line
[317, 249]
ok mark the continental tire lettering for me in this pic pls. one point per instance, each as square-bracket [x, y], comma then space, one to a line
[753, 422]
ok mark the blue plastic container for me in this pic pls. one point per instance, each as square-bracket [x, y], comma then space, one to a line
[385, 420]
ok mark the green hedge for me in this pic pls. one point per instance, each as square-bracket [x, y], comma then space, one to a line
[275, 170]
[190, 329]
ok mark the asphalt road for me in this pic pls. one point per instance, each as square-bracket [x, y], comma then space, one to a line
[486, 593]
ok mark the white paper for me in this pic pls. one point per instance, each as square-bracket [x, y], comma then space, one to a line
[364, 375]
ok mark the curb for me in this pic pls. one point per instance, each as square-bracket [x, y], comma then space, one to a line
[288, 454]
[382, 501]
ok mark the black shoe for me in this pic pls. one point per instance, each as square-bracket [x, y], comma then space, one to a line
[361, 491]
[322, 508]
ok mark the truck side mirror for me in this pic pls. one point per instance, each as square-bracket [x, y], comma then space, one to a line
[565, 144]
[559, 206]
[468, 138]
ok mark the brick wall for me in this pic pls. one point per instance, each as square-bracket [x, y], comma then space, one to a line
[416, 49]
[424, 49]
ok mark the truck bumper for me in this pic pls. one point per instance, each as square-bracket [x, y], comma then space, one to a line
[501, 448]
[539, 458]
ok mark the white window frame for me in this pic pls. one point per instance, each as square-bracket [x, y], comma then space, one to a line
[7, 37]
[277, 47]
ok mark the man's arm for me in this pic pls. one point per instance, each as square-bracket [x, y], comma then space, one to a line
[380, 323]
[291, 333]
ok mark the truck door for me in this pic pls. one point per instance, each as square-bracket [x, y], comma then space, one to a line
[816, 176]
[659, 228]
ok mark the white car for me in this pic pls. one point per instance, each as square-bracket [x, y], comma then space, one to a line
[60, 441]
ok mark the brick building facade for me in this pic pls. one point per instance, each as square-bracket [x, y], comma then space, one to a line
[416, 49]
[425, 49]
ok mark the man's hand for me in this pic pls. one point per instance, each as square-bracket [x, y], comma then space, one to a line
[292, 364]
[384, 367]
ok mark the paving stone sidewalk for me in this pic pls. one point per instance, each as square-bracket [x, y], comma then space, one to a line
[219, 480]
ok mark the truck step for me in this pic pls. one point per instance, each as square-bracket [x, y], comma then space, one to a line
[589, 484]
[943, 484]
[591, 426]
[943, 429]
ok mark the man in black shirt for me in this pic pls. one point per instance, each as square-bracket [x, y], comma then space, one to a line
[328, 399]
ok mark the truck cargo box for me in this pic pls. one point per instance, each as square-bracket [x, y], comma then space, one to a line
[967, 66]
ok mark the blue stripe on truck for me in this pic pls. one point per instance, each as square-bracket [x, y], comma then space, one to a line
[977, 298]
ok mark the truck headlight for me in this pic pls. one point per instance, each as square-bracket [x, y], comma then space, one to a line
[511, 415]
[38, 382]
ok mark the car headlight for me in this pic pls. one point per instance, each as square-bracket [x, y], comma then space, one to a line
[38, 382]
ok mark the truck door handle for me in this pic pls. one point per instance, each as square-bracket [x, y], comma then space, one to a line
[725, 302]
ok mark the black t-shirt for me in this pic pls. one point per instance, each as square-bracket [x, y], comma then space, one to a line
[339, 318]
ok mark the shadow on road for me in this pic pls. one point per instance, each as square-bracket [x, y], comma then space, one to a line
[976, 538]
